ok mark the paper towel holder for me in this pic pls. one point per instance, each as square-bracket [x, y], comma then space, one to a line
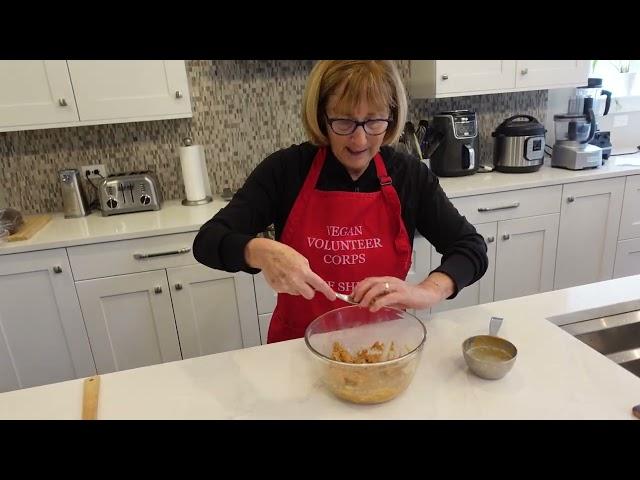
[190, 203]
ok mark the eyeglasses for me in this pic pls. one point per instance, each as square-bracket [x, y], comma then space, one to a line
[346, 126]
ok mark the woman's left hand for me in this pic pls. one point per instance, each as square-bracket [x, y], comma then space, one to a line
[377, 292]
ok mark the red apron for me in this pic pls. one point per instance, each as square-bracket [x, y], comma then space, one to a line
[347, 237]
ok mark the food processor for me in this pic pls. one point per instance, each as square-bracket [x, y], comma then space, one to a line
[601, 103]
[574, 131]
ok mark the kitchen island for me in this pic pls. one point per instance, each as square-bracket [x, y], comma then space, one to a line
[555, 375]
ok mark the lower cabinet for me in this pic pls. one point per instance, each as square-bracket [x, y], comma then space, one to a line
[525, 256]
[130, 320]
[588, 235]
[43, 336]
[264, 320]
[163, 315]
[482, 290]
[215, 311]
[627, 258]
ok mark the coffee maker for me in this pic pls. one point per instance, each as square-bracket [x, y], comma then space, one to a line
[601, 105]
[451, 143]
[574, 131]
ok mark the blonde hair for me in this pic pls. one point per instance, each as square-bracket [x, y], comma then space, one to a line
[376, 81]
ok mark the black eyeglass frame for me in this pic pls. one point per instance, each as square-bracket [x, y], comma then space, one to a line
[357, 124]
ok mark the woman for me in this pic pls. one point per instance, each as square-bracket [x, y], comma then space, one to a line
[345, 206]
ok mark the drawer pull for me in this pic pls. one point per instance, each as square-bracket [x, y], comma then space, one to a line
[506, 236]
[490, 239]
[57, 269]
[570, 199]
[504, 207]
[158, 290]
[140, 256]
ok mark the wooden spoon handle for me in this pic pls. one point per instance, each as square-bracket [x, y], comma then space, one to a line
[91, 389]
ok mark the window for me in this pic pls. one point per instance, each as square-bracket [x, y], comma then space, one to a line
[620, 77]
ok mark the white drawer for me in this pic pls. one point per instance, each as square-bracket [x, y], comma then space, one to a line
[630, 221]
[129, 256]
[492, 207]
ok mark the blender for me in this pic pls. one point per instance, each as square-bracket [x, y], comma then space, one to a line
[574, 131]
[601, 106]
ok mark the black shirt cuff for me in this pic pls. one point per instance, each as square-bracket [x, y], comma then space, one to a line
[232, 251]
[461, 271]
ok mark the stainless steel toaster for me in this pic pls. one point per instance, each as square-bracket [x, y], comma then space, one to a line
[129, 192]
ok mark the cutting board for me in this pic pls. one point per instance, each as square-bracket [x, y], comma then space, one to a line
[32, 224]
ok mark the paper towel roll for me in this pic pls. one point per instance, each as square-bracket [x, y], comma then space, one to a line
[194, 172]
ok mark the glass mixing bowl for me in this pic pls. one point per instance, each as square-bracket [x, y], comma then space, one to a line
[364, 356]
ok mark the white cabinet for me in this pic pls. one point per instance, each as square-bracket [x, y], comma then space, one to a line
[48, 94]
[450, 78]
[525, 223]
[35, 92]
[588, 232]
[442, 78]
[630, 220]
[627, 258]
[480, 291]
[43, 338]
[146, 299]
[628, 250]
[129, 320]
[128, 89]
[525, 256]
[215, 311]
[538, 74]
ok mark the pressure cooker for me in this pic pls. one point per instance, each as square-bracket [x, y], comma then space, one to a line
[519, 145]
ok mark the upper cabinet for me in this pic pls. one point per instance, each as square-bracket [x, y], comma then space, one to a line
[48, 94]
[35, 92]
[452, 78]
[125, 89]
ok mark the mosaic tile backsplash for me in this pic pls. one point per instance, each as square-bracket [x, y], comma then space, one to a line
[242, 111]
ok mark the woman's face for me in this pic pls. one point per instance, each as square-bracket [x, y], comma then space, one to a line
[356, 150]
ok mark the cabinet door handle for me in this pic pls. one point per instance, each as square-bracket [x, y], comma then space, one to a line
[178, 286]
[570, 199]
[491, 209]
[445, 77]
[180, 251]
[491, 239]
[57, 269]
[178, 94]
[524, 71]
[62, 102]
[158, 290]
[506, 236]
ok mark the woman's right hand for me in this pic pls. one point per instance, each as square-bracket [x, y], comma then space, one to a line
[285, 270]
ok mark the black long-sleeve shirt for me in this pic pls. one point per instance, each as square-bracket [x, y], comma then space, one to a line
[269, 193]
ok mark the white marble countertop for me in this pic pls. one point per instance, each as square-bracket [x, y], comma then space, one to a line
[491, 182]
[173, 217]
[555, 375]
[176, 218]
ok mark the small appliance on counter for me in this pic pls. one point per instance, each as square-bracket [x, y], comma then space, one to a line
[452, 143]
[74, 199]
[594, 90]
[519, 145]
[129, 192]
[574, 131]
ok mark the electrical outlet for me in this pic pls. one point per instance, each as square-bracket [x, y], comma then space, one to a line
[100, 167]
